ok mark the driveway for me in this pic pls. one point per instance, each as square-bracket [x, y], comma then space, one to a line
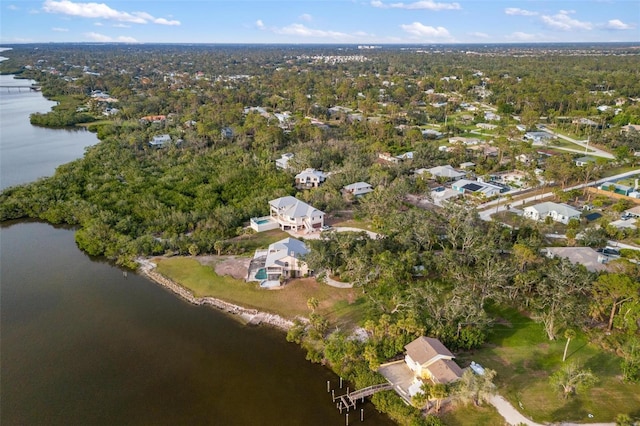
[514, 417]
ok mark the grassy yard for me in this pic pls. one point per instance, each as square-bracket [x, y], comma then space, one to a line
[354, 224]
[617, 170]
[470, 415]
[251, 242]
[343, 307]
[524, 359]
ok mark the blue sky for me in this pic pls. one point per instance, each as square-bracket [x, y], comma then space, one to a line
[319, 21]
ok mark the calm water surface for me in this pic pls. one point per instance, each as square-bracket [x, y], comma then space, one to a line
[84, 345]
[28, 152]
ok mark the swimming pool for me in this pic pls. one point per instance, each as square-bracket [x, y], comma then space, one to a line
[261, 274]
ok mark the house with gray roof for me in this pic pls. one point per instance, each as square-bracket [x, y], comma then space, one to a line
[559, 212]
[281, 261]
[357, 189]
[310, 178]
[445, 173]
[292, 214]
[486, 189]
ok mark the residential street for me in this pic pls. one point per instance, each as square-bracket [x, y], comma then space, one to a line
[487, 209]
[589, 150]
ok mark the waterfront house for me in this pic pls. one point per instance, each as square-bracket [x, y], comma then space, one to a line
[310, 178]
[429, 359]
[292, 214]
[281, 261]
[559, 212]
[357, 189]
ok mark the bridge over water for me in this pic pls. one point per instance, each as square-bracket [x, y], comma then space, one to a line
[30, 87]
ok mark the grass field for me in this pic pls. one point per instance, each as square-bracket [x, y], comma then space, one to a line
[524, 359]
[343, 307]
[470, 415]
[251, 242]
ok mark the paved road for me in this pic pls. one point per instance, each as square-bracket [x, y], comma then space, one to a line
[487, 209]
[591, 150]
[514, 417]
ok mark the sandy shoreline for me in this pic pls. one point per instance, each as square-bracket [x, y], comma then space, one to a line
[245, 315]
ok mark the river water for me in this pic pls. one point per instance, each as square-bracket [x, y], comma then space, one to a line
[83, 344]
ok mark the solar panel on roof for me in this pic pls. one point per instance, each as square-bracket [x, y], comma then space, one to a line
[473, 187]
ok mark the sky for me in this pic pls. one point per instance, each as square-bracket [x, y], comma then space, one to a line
[319, 21]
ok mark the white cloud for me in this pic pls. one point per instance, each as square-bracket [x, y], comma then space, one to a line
[479, 35]
[520, 36]
[303, 31]
[125, 39]
[518, 11]
[260, 24]
[13, 7]
[101, 11]
[98, 24]
[422, 4]
[162, 21]
[106, 39]
[562, 21]
[306, 17]
[424, 31]
[60, 30]
[97, 37]
[617, 25]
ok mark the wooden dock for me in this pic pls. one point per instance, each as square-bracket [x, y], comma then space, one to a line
[350, 399]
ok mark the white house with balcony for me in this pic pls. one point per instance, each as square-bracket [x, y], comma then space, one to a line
[310, 178]
[281, 261]
[292, 214]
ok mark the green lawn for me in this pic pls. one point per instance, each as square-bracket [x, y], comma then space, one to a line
[343, 307]
[470, 415]
[524, 359]
[354, 224]
[251, 242]
[617, 170]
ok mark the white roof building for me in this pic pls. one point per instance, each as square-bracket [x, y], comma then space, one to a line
[310, 178]
[444, 172]
[357, 189]
[559, 212]
[283, 162]
[296, 215]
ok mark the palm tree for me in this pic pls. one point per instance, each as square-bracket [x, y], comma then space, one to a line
[312, 304]
[568, 334]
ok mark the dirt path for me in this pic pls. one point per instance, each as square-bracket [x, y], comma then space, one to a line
[234, 266]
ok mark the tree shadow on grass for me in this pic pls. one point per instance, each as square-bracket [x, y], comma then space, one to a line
[576, 350]
[572, 410]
